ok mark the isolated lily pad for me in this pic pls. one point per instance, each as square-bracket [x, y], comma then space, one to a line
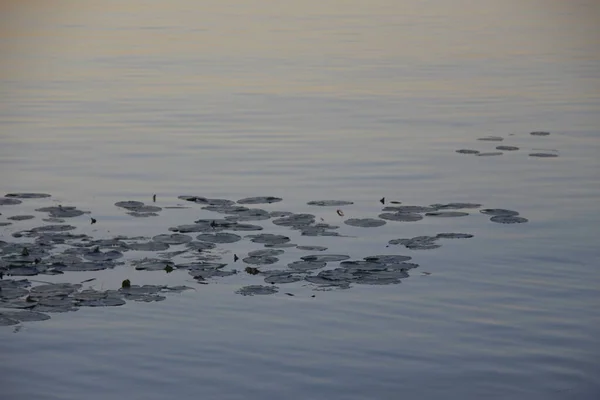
[540, 133]
[219, 237]
[490, 154]
[543, 155]
[5, 223]
[295, 220]
[27, 195]
[418, 243]
[259, 200]
[306, 265]
[280, 245]
[498, 211]
[268, 238]
[365, 222]
[455, 206]
[450, 235]
[467, 151]
[62, 211]
[4, 201]
[325, 257]
[330, 203]
[492, 139]
[311, 248]
[52, 228]
[174, 239]
[401, 216]
[257, 290]
[388, 258]
[508, 219]
[20, 217]
[260, 260]
[204, 200]
[507, 148]
[24, 316]
[446, 214]
[409, 209]
[283, 278]
[151, 264]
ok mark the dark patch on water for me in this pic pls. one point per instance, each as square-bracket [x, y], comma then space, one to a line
[401, 216]
[467, 151]
[257, 290]
[454, 235]
[5, 223]
[498, 211]
[208, 202]
[9, 202]
[173, 239]
[455, 206]
[508, 219]
[268, 238]
[365, 222]
[219, 237]
[312, 248]
[27, 195]
[418, 243]
[20, 217]
[325, 257]
[283, 278]
[492, 139]
[409, 209]
[329, 203]
[490, 154]
[306, 265]
[149, 246]
[543, 155]
[259, 200]
[539, 133]
[62, 211]
[446, 214]
[507, 148]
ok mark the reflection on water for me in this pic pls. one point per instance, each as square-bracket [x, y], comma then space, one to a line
[111, 101]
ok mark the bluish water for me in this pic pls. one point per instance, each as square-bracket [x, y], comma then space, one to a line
[110, 101]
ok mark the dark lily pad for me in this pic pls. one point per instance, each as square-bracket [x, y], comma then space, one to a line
[130, 204]
[467, 151]
[295, 220]
[257, 290]
[508, 219]
[62, 211]
[200, 246]
[280, 245]
[539, 133]
[174, 239]
[259, 200]
[365, 222]
[311, 248]
[418, 243]
[24, 316]
[279, 214]
[492, 139]
[454, 235]
[283, 278]
[330, 203]
[260, 260]
[151, 264]
[306, 265]
[363, 265]
[543, 155]
[219, 237]
[27, 195]
[52, 228]
[7, 321]
[446, 214]
[498, 211]
[9, 202]
[490, 154]
[401, 216]
[23, 271]
[205, 201]
[54, 220]
[265, 253]
[20, 217]
[94, 298]
[54, 290]
[325, 257]
[149, 246]
[268, 238]
[507, 148]
[103, 256]
[5, 223]
[388, 258]
[142, 214]
[409, 209]
[455, 206]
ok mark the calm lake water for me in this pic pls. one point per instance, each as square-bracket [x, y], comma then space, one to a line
[105, 101]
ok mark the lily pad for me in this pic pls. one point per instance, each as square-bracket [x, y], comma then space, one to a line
[467, 151]
[200, 246]
[455, 206]
[102, 256]
[283, 278]
[325, 257]
[388, 258]
[27, 195]
[9, 202]
[149, 246]
[543, 155]
[446, 214]
[259, 200]
[20, 217]
[490, 154]
[492, 139]
[257, 290]
[280, 245]
[265, 253]
[330, 203]
[508, 219]
[295, 220]
[539, 133]
[24, 316]
[507, 148]
[454, 235]
[401, 216]
[306, 265]
[268, 238]
[260, 260]
[151, 264]
[311, 248]
[365, 222]
[418, 243]
[409, 209]
[498, 211]
[174, 239]
[219, 237]
[204, 200]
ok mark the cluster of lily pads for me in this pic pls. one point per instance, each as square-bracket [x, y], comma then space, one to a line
[54, 249]
[539, 153]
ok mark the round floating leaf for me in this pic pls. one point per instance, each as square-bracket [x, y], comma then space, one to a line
[312, 248]
[52, 228]
[329, 203]
[543, 155]
[280, 245]
[467, 151]
[54, 220]
[454, 236]
[507, 148]
[306, 265]
[401, 216]
[265, 252]
[365, 222]
[175, 238]
[100, 256]
[152, 264]
[446, 214]
[4, 201]
[409, 209]
[492, 139]
[142, 214]
[540, 133]
[418, 243]
[388, 258]
[283, 278]
[259, 200]
[5, 223]
[23, 271]
[54, 290]
[219, 237]
[257, 290]
[20, 217]
[261, 260]
[28, 195]
[508, 219]
[491, 153]
[455, 206]
[325, 257]
[130, 204]
[204, 200]
[295, 220]
[362, 265]
[149, 246]
[24, 316]
[268, 238]
[200, 246]
[498, 211]
[7, 321]
[62, 211]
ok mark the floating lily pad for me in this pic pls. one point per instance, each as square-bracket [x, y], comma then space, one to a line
[330, 203]
[306, 265]
[204, 200]
[7, 321]
[318, 230]
[174, 239]
[20, 217]
[23, 271]
[446, 214]
[103, 256]
[311, 248]
[492, 139]
[200, 246]
[151, 264]
[365, 222]
[142, 214]
[280, 245]
[508, 219]
[283, 278]
[388, 258]
[27, 195]
[467, 151]
[295, 220]
[130, 204]
[418, 243]
[54, 290]
[260, 260]
[454, 235]
[257, 290]
[543, 155]
[540, 133]
[409, 209]
[219, 237]
[268, 238]
[149, 246]
[325, 257]
[62, 211]
[498, 211]
[24, 316]
[507, 148]
[54, 220]
[4, 201]
[5, 223]
[259, 200]
[265, 253]
[401, 216]
[490, 154]
[455, 206]
[252, 214]
[279, 214]
[363, 265]
[94, 298]
[52, 228]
